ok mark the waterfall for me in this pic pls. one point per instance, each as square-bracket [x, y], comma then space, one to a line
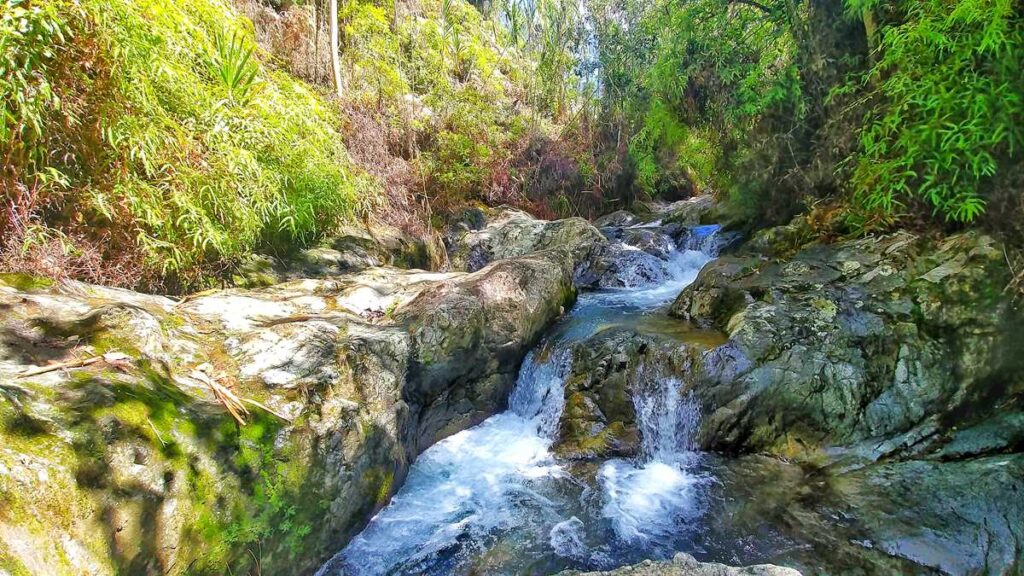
[537, 395]
[470, 485]
[667, 420]
[497, 488]
[654, 497]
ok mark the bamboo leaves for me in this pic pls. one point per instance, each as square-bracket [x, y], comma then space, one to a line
[233, 66]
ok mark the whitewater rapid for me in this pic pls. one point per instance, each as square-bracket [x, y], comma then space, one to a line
[497, 486]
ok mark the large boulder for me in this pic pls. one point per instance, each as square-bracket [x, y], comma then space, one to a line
[892, 365]
[120, 451]
[886, 342]
[506, 232]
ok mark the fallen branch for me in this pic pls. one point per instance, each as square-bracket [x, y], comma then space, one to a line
[234, 404]
[60, 366]
[224, 396]
[268, 409]
[115, 359]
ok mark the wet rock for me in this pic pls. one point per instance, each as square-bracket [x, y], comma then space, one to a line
[126, 460]
[889, 361]
[617, 219]
[653, 242]
[621, 266]
[964, 517]
[609, 370]
[685, 565]
[690, 212]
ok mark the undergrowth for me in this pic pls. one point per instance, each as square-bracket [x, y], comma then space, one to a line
[155, 130]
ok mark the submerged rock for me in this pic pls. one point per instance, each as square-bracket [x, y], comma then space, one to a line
[124, 458]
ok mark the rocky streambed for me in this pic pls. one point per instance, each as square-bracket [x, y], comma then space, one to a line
[846, 408]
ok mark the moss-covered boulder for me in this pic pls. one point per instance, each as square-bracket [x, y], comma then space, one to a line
[884, 341]
[243, 428]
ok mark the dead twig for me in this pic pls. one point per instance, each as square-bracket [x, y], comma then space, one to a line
[231, 402]
[115, 359]
[267, 409]
[60, 366]
[234, 404]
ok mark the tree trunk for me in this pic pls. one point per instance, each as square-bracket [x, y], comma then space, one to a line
[335, 48]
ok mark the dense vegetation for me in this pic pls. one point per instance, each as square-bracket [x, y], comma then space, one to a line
[155, 144]
[893, 110]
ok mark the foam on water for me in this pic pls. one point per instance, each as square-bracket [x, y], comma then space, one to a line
[648, 499]
[500, 476]
[646, 502]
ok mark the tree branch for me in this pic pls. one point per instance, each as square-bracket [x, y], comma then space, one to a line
[754, 4]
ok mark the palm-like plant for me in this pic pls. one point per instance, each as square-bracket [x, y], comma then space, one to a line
[234, 67]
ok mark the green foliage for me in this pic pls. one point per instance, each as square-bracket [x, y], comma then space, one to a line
[204, 153]
[949, 105]
[898, 107]
[233, 66]
[31, 38]
[695, 76]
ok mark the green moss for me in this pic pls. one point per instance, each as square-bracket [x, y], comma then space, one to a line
[25, 282]
[11, 564]
[379, 482]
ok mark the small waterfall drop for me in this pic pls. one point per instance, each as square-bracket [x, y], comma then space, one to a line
[493, 498]
[648, 499]
[667, 419]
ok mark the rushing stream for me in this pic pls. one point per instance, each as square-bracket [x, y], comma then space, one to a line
[494, 498]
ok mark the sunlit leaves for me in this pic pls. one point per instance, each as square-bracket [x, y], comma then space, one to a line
[949, 106]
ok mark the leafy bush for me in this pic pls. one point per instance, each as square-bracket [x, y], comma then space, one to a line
[195, 165]
[949, 111]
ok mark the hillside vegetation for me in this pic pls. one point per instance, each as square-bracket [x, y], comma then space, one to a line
[153, 144]
[881, 113]
[156, 144]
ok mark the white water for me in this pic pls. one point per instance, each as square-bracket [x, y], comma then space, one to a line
[646, 500]
[500, 477]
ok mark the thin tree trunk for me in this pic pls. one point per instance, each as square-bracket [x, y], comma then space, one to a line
[316, 41]
[335, 48]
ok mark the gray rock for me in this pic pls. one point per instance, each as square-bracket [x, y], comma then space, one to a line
[129, 462]
[617, 219]
[853, 341]
[685, 565]
[510, 232]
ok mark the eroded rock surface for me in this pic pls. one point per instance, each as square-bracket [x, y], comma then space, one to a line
[685, 565]
[126, 460]
[506, 232]
[882, 345]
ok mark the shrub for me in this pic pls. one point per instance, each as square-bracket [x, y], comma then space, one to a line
[949, 105]
[206, 153]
